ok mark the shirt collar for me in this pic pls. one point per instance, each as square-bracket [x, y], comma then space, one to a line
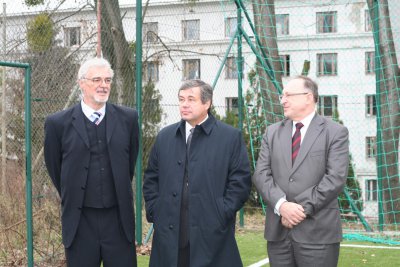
[306, 121]
[188, 126]
[88, 111]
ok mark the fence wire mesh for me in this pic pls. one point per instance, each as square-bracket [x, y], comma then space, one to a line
[333, 42]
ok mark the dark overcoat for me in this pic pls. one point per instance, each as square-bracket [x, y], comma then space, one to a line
[219, 185]
[67, 156]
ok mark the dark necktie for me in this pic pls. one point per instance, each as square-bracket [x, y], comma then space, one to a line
[189, 140]
[296, 140]
[96, 116]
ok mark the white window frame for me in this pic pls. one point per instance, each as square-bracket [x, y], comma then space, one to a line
[187, 65]
[285, 63]
[370, 147]
[190, 30]
[327, 59]
[151, 71]
[282, 24]
[230, 26]
[68, 31]
[370, 105]
[323, 109]
[327, 22]
[370, 62]
[150, 32]
[371, 190]
[367, 21]
[232, 105]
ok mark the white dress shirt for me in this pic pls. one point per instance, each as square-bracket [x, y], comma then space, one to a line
[306, 123]
[88, 111]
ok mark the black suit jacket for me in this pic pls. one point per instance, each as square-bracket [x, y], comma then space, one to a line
[67, 155]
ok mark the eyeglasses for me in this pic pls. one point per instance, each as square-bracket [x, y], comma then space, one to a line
[293, 94]
[98, 80]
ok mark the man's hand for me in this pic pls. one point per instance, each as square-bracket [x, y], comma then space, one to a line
[286, 223]
[292, 214]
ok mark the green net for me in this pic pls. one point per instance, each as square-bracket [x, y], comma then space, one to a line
[350, 50]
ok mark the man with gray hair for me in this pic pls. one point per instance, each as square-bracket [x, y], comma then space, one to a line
[301, 170]
[90, 152]
[198, 177]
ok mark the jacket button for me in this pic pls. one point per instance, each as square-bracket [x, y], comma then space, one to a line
[174, 194]
[291, 180]
[86, 168]
[171, 226]
[79, 208]
[179, 162]
[83, 188]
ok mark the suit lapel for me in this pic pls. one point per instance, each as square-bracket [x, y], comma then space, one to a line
[286, 142]
[111, 122]
[315, 129]
[78, 122]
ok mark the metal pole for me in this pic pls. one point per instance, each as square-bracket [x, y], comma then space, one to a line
[3, 112]
[28, 164]
[138, 175]
[378, 70]
[98, 47]
[240, 85]
[28, 168]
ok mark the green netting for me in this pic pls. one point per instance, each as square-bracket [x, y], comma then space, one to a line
[350, 51]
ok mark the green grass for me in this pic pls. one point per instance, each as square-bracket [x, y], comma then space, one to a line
[253, 248]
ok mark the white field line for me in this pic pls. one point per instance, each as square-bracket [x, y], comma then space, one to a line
[265, 261]
[363, 246]
[260, 263]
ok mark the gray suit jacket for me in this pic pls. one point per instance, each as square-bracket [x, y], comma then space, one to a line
[315, 180]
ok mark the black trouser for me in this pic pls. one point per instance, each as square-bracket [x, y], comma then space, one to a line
[100, 238]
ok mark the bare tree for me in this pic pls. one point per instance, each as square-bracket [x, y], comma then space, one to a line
[265, 26]
[116, 49]
[389, 84]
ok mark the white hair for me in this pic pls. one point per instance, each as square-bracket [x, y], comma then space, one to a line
[94, 62]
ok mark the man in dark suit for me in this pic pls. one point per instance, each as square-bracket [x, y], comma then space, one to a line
[198, 177]
[301, 170]
[90, 154]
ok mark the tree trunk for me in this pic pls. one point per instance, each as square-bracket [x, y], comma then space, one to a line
[389, 84]
[265, 25]
[116, 49]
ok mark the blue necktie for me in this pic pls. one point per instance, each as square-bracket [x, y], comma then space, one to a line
[96, 116]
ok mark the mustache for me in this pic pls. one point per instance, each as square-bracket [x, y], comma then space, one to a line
[102, 90]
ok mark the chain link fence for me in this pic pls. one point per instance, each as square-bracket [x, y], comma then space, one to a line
[330, 41]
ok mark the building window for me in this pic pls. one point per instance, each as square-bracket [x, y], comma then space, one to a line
[370, 105]
[231, 71]
[230, 27]
[367, 21]
[150, 32]
[327, 105]
[285, 63]
[191, 29]
[191, 69]
[371, 190]
[327, 64]
[326, 22]
[232, 105]
[369, 62]
[370, 146]
[151, 71]
[72, 36]
[282, 24]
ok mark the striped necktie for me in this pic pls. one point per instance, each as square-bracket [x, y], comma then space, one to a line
[96, 116]
[189, 140]
[296, 140]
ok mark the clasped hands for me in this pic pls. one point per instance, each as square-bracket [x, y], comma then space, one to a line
[291, 214]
